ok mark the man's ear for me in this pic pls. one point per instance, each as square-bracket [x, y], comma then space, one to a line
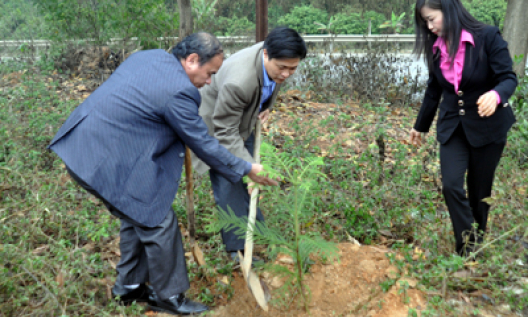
[265, 52]
[192, 60]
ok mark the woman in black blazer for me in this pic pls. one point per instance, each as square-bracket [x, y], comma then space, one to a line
[470, 66]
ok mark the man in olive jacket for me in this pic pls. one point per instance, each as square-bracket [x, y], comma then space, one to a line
[243, 91]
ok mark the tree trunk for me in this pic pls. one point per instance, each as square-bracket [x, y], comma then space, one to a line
[186, 18]
[261, 11]
[515, 26]
[186, 29]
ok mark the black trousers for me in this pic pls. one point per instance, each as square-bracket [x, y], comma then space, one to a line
[153, 255]
[457, 157]
[233, 196]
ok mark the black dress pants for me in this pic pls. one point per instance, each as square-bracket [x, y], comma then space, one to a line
[153, 255]
[235, 197]
[457, 157]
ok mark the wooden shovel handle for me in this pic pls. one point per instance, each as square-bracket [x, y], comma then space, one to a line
[189, 195]
[248, 248]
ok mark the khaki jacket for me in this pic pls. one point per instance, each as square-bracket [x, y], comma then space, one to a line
[230, 104]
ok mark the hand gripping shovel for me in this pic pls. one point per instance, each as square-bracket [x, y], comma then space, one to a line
[252, 280]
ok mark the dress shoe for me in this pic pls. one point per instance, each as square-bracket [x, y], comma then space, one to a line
[176, 305]
[128, 296]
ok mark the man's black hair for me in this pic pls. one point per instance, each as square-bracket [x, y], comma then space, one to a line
[204, 44]
[283, 42]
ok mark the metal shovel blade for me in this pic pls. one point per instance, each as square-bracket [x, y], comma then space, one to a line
[255, 285]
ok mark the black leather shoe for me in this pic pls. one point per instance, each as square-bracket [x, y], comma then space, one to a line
[176, 305]
[128, 296]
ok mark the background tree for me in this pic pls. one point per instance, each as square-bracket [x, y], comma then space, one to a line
[356, 23]
[303, 19]
[491, 12]
[395, 23]
[204, 14]
[186, 18]
[234, 26]
[20, 19]
[515, 26]
[101, 20]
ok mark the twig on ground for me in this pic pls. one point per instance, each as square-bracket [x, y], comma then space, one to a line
[41, 285]
[473, 254]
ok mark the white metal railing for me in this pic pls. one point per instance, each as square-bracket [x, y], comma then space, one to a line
[242, 39]
[13, 47]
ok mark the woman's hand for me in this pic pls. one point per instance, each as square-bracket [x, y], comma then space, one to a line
[487, 104]
[416, 138]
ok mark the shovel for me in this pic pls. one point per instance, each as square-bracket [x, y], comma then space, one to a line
[252, 280]
[189, 197]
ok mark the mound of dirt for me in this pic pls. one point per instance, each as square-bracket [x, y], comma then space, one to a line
[350, 287]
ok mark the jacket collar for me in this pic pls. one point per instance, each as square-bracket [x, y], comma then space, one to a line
[465, 37]
[258, 64]
[470, 60]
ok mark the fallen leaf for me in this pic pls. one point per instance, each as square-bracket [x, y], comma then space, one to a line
[285, 259]
[40, 250]
[418, 254]
[109, 292]
[463, 297]
[462, 274]
[198, 255]
[60, 279]
[409, 281]
[224, 280]
[386, 233]
[351, 239]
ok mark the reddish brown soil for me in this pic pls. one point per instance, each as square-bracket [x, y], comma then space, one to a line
[350, 287]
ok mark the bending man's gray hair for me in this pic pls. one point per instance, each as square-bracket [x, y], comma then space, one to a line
[204, 44]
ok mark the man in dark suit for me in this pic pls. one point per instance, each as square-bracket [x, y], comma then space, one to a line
[241, 93]
[125, 144]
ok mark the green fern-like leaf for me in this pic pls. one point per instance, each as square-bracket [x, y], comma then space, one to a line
[317, 246]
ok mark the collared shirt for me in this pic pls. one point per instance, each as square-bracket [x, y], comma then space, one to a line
[268, 87]
[454, 74]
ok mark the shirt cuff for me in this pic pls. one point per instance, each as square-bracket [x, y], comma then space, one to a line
[498, 97]
[248, 168]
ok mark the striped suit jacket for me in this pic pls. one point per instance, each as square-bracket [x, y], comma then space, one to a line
[127, 139]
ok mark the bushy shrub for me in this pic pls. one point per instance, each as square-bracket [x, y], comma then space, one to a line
[234, 26]
[106, 19]
[354, 23]
[21, 20]
[303, 19]
[519, 133]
